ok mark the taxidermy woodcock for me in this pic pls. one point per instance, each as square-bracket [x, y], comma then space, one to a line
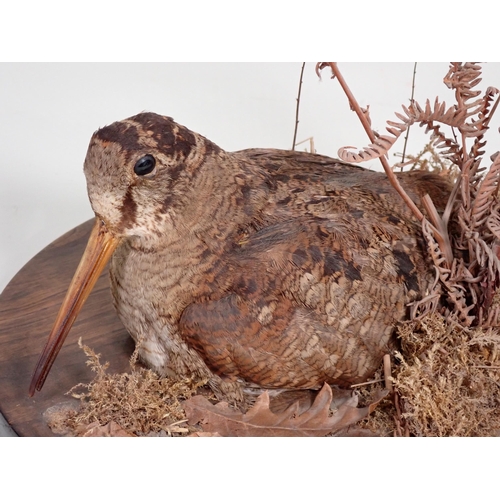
[254, 269]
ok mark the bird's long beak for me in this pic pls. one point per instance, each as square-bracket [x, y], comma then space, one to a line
[100, 247]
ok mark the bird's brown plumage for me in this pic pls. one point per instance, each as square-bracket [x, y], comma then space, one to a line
[259, 268]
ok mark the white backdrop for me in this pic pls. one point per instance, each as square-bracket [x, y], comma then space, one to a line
[49, 111]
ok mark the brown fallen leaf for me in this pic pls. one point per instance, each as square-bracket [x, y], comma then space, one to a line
[111, 429]
[278, 403]
[205, 434]
[356, 432]
[259, 420]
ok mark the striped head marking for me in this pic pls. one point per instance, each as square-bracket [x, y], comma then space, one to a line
[137, 168]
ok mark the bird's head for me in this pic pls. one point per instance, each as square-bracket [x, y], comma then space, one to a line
[138, 173]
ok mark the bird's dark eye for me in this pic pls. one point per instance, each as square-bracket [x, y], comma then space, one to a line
[145, 165]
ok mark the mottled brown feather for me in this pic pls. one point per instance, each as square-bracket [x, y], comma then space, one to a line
[259, 268]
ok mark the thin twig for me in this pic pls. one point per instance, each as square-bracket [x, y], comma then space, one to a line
[387, 372]
[367, 383]
[388, 170]
[411, 102]
[441, 239]
[442, 236]
[402, 428]
[297, 108]
[311, 144]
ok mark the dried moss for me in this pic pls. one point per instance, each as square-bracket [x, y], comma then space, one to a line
[449, 379]
[447, 382]
[381, 422]
[140, 402]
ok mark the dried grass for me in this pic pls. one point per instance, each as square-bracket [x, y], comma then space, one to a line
[429, 160]
[381, 421]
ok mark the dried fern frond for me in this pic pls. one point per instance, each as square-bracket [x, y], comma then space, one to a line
[429, 116]
[486, 196]
[493, 221]
[465, 254]
[460, 77]
[484, 116]
[463, 78]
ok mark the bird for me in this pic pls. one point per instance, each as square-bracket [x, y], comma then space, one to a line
[256, 269]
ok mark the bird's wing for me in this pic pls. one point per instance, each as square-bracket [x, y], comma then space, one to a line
[312, 301]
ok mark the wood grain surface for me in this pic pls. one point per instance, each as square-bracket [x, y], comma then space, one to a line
[28, 308]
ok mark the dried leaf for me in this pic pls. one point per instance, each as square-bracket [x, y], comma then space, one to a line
[261, 421]
[111, 429]
[205, 434]
[356, 432]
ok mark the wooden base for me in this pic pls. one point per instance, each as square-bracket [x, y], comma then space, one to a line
[28, 308]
